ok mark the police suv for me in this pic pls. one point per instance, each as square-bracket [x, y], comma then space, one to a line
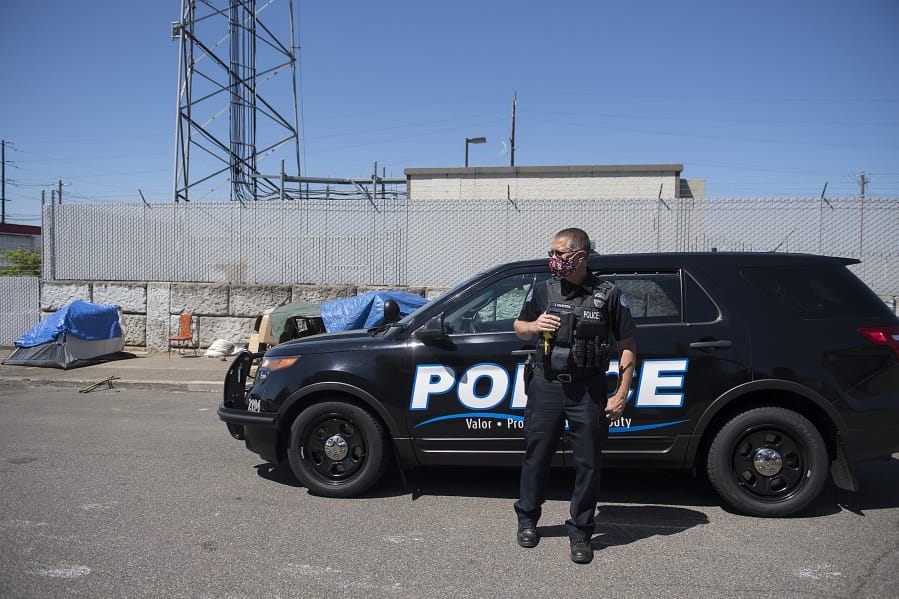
[766, 370]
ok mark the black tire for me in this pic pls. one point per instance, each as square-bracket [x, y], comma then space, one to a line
[768, 462]
[337, 449]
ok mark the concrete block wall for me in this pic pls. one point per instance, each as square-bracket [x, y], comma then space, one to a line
[150, 311]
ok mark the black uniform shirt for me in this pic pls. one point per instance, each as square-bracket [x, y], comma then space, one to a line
[622, 324]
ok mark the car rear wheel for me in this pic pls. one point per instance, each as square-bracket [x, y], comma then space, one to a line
[768, 462]
[337, 449]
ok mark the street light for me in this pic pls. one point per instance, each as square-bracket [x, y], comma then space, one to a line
[472, 140]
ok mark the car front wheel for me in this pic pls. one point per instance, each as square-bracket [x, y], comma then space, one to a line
[337, 449]
[768, 462]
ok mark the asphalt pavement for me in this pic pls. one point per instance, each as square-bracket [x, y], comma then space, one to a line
[145, 370]
[143, 493]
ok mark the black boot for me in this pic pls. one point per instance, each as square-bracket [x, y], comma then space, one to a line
[581, 551]
[527, 535]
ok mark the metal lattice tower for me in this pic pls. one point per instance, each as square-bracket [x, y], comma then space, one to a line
[228, 57]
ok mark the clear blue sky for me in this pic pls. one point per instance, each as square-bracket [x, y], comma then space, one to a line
[760, 99]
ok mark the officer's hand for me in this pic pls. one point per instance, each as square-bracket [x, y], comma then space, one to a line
[547, 322]
[615, 407]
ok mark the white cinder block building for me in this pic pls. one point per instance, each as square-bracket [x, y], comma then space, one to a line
[547, 182]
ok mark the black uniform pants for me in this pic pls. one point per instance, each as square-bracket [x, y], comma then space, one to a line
[550, 403]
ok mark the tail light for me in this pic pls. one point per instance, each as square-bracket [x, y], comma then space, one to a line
[888, 336]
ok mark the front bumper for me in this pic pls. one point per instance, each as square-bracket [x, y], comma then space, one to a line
[241, 417]
[259, 430]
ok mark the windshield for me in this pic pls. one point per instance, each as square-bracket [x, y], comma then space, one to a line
[411, 317]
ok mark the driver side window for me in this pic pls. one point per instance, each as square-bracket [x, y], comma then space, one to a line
[494, 308]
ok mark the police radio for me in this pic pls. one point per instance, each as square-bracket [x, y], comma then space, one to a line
[556, 346]
[546, 342]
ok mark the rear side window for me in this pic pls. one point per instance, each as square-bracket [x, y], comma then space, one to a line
[652, 298]
[814, 292]
[664, 298]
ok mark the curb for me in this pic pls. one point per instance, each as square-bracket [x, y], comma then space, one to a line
[186, 386]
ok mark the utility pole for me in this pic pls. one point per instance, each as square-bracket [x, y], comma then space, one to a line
[863, 180]
[512, 140]
[3, 178]
[59, 195]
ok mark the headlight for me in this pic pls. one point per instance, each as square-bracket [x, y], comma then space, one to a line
[271, 364]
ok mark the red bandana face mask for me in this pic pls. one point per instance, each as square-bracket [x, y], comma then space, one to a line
[561, 267]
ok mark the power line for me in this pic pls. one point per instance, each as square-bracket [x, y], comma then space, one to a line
[721, 137]
[706, 119]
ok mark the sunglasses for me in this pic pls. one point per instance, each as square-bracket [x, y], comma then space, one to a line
[560, 253]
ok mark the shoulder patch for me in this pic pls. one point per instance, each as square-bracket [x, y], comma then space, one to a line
[602, 294]
[623, 301]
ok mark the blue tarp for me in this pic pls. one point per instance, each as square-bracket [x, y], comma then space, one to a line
[81, 319]
[366, 310]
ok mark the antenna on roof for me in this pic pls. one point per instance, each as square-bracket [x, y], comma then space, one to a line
[784, 240]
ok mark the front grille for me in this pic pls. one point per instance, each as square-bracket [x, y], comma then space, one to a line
[237, 380]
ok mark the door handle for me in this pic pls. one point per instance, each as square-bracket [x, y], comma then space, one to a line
[711, 344]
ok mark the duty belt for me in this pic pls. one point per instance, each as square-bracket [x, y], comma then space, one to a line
[564, 377]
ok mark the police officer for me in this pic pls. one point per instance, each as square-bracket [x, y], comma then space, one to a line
[574, 317]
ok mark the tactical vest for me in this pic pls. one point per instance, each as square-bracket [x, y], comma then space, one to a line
[580, 346]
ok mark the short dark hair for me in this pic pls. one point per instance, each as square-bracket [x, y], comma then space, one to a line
[577, 239]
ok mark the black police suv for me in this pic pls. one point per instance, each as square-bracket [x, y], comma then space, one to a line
[766, 370]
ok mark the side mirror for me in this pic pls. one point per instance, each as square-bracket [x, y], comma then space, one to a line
[432, 330]
[391, 311]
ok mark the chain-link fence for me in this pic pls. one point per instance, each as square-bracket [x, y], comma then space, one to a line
[315, 242]
[18, 307]
[428, 243]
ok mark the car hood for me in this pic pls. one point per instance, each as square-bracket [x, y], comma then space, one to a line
[326, 342]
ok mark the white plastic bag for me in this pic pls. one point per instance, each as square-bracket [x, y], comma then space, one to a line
[219, 349]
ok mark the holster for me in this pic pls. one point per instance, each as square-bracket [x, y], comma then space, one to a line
[529, 367]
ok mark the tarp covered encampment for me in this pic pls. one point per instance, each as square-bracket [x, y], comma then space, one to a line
[77, 334]
[366, 310]
[279, 318]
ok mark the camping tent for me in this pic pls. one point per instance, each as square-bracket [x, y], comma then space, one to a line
[77, 334]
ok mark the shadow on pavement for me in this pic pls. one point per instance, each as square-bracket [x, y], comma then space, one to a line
[618, 525]
[278, 474]
[618, 485]
[877, 480]
[879, 488]
[623, 524]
